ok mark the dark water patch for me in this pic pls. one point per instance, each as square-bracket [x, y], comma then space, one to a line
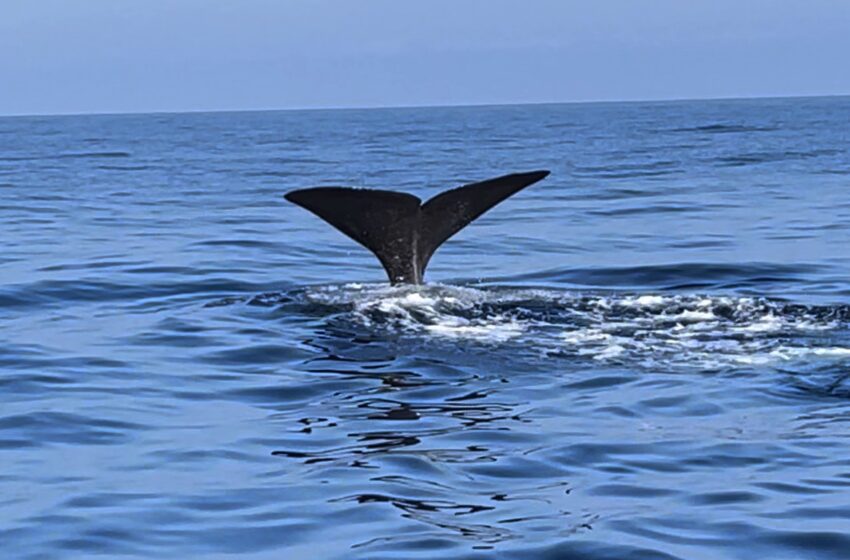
[601, 382]
[631, 174]
[613, 194]
[49, 197]
[627, 170]
[629, 491]
[719, 243]
[95, 265]
[31, 209]
[34, 373]
[202, 456]
[181, 340]
[270, 173]
[755, 158]
[44, 428]
[811, 544]
[412, 506]
[830, 381]
[459, 518]
[659, 164]
[76, 155]
[283, 395]
[257, 354]
[720, 128]
[244, 243]
[562, 125]
[580, 549]
[298, 160]
[125, 167]
[794, 489]
[45, 292]
[651, 209]
[672, 276]
[43, 358]
[275, 141]
[724, 498]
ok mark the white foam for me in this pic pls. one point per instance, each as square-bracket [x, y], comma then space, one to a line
[581, 337]
[610, 352]
[643, 301]
[791, 353]
[694, 316]
[491, 332]
[768, 323]
[649, 329]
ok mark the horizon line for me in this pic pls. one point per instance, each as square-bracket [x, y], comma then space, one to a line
[424, 106]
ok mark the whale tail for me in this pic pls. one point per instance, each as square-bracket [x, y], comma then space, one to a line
[398, 228]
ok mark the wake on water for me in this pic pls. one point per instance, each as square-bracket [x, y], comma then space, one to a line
[657, 331]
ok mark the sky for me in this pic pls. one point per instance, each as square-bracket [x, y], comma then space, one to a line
[116, 56]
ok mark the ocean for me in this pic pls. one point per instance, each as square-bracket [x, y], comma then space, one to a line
[644, 356]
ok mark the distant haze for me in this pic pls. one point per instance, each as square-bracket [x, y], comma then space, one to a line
[95, 56]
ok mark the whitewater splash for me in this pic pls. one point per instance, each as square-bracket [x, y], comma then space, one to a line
[648, 330]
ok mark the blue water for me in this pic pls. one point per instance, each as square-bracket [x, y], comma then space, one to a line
[647, 355]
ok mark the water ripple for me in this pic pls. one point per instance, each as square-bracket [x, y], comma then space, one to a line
[646, 356]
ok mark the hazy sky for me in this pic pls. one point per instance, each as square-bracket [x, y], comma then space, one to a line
[82, 56]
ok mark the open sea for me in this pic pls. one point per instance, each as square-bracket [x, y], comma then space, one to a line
[644, 356]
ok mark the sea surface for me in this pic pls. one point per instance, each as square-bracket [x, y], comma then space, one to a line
[644, 356]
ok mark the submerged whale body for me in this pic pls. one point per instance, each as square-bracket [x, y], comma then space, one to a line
[397, 227]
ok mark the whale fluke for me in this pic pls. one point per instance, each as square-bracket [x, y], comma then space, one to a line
[401, 231]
